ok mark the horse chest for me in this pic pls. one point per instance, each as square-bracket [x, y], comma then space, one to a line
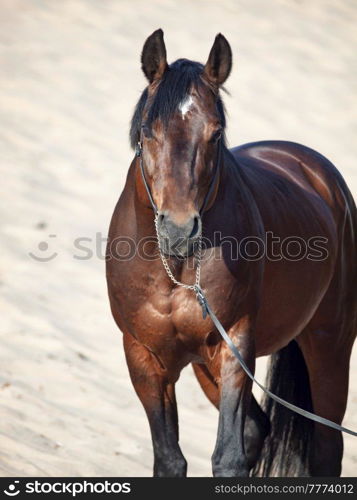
[168, 319]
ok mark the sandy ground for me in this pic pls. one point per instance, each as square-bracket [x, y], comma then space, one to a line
[70, 77]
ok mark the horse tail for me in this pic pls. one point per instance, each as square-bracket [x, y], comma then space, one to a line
[286, 449]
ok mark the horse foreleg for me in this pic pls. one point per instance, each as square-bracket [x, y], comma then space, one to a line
[229, 458]
[257, 424]
[157, 394]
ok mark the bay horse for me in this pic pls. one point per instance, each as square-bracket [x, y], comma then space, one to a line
[295, 301]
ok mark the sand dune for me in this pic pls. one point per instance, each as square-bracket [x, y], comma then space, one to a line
[70, 76]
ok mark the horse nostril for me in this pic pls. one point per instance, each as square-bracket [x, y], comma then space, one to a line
[195, 228]
[160, 220]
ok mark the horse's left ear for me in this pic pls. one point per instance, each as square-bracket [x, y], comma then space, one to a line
[153, 57]
[219, 62]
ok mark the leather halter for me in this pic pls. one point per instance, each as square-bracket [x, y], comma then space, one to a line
[139, 154]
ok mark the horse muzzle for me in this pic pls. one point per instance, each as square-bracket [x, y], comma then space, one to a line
[176, 239]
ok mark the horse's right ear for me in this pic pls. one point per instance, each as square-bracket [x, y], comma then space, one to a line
[219, 62]
[153, 57]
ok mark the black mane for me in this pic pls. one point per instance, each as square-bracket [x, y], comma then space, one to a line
[176, 83]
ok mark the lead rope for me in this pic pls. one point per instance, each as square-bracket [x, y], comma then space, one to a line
[206, 310]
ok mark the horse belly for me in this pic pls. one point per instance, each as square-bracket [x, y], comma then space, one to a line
[291, 295]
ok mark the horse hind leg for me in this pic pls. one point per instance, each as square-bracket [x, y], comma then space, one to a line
[257, 424]
[207, 382]
[257, 428]
[327, 361]
[326, 344]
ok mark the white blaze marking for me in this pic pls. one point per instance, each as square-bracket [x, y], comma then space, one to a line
[185, 105]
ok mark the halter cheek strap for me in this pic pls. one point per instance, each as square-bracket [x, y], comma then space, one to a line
[139, 154]
[214, 179]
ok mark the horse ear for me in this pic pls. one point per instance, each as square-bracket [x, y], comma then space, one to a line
[219, 63]
[153, 56]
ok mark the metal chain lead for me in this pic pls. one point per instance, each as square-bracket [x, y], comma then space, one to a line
[196, 286]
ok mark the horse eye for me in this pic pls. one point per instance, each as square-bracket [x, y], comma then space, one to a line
[146, 131]
[216, 136]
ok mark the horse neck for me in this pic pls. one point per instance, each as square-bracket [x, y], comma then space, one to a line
[236, 195]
